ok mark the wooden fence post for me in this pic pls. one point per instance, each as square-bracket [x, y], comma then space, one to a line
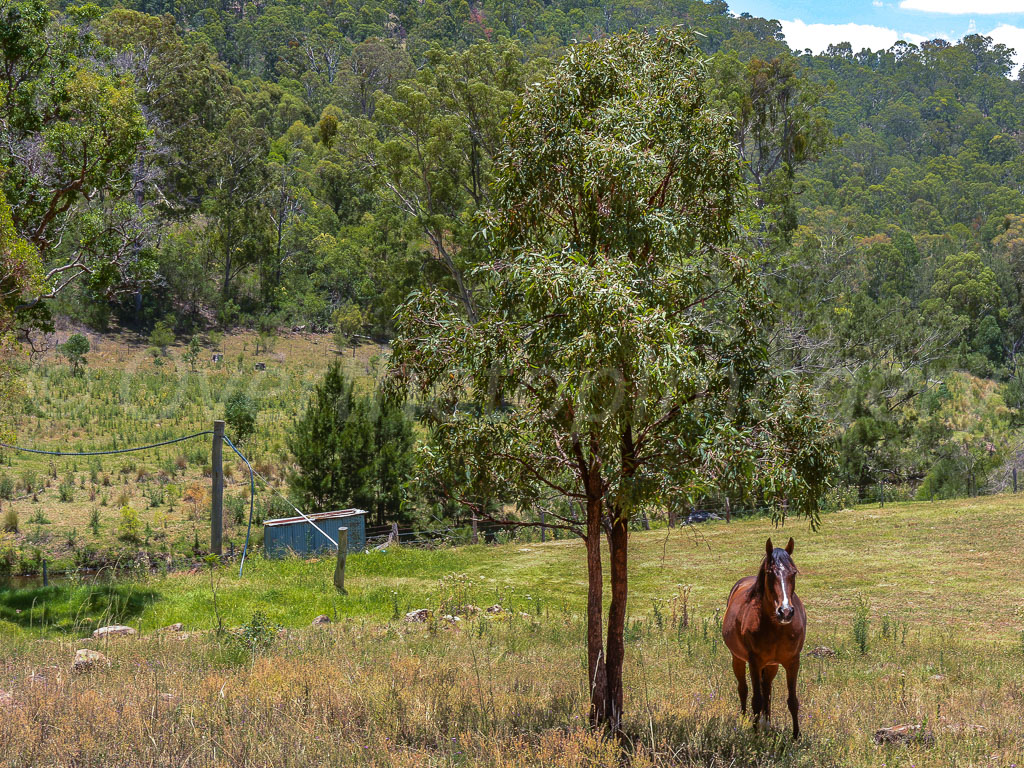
[881, 492]
[728, 510]
[476, 529]
[217, 491]
[543, 526]
[339, 569]
[1014, 479]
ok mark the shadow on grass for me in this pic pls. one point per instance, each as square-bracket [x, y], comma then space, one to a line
[74, 608]
[724, 741]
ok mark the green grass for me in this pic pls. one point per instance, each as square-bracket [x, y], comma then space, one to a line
[948, 566]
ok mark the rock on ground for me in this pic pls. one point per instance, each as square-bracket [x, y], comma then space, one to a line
[86, 658]
[321, 620]
[7, 700]
[823, 652]
[904, 734]
[176, 627]
[114, 630]
[421, 614]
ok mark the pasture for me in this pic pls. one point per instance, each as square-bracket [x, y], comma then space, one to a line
[922, 604]
[68, 509]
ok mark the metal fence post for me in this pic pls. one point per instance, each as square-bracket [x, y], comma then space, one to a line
[217, 491]
[339, 569]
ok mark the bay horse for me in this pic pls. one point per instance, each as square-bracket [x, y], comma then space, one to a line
[764, 627]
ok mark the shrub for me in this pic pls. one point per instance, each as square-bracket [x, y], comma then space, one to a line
[6, 487]
[75, 349]
[161, 336]
[66, 491]
[11, 520]
[257, 633]
[129, 528]
[10, 555]
[240, 414]
[94, 520]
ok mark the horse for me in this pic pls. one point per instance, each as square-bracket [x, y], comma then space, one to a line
[764, 627]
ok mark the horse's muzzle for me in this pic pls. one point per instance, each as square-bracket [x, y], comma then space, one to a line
[785, 615]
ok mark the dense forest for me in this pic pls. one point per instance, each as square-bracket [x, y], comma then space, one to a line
[287, 163]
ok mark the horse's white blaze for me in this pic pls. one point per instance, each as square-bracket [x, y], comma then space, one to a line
[785, 595]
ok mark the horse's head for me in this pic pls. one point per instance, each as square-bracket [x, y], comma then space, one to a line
[779, 580]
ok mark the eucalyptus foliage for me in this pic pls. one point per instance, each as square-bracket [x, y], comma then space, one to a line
[619, 360]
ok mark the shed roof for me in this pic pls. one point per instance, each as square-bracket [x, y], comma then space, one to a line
[316, 517]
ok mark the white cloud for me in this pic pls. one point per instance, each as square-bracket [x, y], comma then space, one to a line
[817, 37]
[1011, 37]
[959, 7]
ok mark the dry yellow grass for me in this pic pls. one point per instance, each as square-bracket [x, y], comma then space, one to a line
[942, 583]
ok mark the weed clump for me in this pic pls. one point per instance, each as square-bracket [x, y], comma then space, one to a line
[861, 624]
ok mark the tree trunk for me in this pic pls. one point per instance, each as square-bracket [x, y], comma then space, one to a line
[618, 542]
[596, 668]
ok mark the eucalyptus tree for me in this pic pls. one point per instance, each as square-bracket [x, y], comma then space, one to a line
[433, 156]
[70, 132]
[617, 363]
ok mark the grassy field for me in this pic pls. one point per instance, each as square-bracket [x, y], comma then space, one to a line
[922, 603]
[68, 510]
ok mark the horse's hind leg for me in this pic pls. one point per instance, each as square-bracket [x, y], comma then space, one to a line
[767, 676]
[792, 670]
[739, 668]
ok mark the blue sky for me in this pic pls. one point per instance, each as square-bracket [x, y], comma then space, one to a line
[879, 23]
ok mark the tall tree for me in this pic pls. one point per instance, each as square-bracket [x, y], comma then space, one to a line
[70, 133]
[438, 137]
[617, 363]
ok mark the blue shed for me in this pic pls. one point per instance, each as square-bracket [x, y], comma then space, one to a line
[287, 535]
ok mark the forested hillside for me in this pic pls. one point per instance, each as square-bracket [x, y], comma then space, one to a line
[277, 164]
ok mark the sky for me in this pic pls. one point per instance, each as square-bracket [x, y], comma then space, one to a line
[878, 24]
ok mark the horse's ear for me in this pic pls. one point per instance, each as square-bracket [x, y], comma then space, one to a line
[789, 547]
[768, 548]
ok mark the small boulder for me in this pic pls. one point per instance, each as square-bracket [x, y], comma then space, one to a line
[321, 620]
[904, 734]
[495, 609]
[7, 700]
[823, 652]
[86, 658]
[421, 614]
[176, 627]
[467, 610]
[114, 630]
[451, 619]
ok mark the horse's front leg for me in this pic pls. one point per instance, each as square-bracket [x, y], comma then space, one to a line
[792, 670]
[757, 705]
[767, 676]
